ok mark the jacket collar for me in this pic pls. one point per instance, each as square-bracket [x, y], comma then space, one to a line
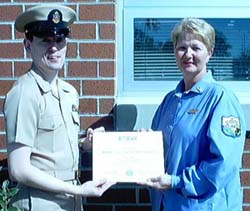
[45, 86]
[198, 87]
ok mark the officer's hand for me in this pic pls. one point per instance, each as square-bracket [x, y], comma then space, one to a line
[94, 188]
[86, 143]
[161, 182]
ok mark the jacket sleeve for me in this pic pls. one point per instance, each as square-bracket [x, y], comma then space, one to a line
[21, 112]
[226, 136]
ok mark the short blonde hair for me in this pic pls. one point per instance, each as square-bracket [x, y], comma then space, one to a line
[198, 27]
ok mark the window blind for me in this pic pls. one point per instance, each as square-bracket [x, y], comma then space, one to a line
[154, 58]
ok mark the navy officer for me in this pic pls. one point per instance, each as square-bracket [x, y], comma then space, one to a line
[42, 122]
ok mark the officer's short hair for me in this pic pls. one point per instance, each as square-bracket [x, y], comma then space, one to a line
[198, 27]
[46, 20]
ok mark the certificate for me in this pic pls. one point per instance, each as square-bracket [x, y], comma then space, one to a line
[127, 156]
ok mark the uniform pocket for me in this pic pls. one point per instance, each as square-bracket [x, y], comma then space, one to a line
[51, 130]
[50, 123]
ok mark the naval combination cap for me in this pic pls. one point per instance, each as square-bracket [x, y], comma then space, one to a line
[46, 20]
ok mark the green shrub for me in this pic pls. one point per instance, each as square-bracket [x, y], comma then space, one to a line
[6, 194]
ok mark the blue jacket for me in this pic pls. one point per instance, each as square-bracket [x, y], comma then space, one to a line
[204, 134]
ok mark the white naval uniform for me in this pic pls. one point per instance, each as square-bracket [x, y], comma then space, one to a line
[49, 124]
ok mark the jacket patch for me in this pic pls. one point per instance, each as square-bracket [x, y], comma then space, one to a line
[231, 126]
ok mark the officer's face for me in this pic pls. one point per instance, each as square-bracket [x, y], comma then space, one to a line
[191, 55]
[49, 53]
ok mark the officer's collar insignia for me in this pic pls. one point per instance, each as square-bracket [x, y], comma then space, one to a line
[74, 108]
[231, 126]
[193, 111]
[56, 17]
[199, 89]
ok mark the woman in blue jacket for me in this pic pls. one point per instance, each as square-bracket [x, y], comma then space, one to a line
[203, 129]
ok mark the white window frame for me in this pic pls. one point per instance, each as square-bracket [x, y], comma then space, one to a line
[129, 91]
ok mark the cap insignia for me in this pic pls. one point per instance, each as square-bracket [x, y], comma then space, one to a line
[56, 17]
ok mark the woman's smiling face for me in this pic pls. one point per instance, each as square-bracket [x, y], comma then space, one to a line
[191, 54]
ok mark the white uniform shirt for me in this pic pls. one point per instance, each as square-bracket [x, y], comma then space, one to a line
[49, 124]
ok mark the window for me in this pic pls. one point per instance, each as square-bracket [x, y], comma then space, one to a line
[147, 63]
[153, 56]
